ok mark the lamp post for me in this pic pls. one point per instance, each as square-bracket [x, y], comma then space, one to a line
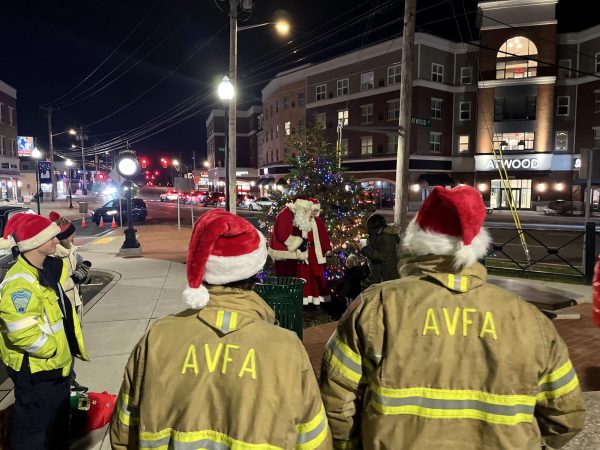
[283, 28]
[36, 154]
[81, 137]
[226, 94]
[174, 165]
[128, 167]
[69, 164]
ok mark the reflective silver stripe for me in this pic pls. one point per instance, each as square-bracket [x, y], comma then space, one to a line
[16, 276]
[457, 280]
[557, 384]
[345, 360]
[431, 403]
[58, 326]
[22, 324]
[226, 321]
[38, 344]
[200, 444]
[308, 436]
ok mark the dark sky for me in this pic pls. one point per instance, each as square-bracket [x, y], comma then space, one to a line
[50, 46]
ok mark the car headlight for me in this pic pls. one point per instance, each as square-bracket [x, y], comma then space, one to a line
[111, 213]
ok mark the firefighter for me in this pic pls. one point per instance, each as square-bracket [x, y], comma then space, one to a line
[443, 359]
[41, 334]
[221, 374]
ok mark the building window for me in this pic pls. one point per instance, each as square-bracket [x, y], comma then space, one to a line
[463, 143]
[276, 106]
[392, 146]
[286, 102]
[366, 114]
[597, 63]
[301, 126]
[564, 68]
[367, 81]
[288, 128]
[366, 145]
[562, 105]
[343, 117]
[596, 141]
[11, 116]
[435, 142]
[321, 120]
[436, 108]
[1, 112]
[465, 111]
[343, 87]
[513, 141]
[514, 59]
[393, 109]
[393, 74]
[466, 75]
[597, 101]
[321, 91]
[562, 141]
[344, 146]
[437, 73]
[301, 99]
[2, 143]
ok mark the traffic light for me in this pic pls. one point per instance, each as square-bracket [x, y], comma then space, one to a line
[164, 162]
[144, 162]
[101, 177]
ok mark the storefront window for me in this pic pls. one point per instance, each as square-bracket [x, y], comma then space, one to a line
[520, 192]
[382, 193]
[514, 141]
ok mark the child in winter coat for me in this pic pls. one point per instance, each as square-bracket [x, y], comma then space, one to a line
[354, 275]
[381, 250]
[75, 264]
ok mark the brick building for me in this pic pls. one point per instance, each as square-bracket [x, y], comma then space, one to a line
[504, 92]
[10, 182]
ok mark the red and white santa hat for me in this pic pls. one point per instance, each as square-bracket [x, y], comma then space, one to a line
[316, 207]
[450, 222]
[30, 231]
[224, 248]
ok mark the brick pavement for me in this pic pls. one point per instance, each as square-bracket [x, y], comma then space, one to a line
[581, 335]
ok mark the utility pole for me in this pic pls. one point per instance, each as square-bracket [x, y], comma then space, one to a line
[51, 151]
[232, 160]
[403, 157]
[84, 187]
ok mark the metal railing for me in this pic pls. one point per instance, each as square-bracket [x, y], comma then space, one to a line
[546, 258]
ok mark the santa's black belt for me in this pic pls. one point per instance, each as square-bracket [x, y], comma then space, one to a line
[310, 244]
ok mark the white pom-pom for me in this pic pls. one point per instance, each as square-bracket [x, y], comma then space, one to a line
[196, 298]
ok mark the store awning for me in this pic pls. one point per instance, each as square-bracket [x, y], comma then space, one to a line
[264, 181]
[436, 179]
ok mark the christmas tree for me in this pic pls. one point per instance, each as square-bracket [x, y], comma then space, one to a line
[315, 172]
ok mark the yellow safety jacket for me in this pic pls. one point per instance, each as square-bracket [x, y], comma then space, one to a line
[224, 378]
[444, 360]
[32, 322]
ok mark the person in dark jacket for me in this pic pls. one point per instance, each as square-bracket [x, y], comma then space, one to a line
[381, 250]
[354, 275]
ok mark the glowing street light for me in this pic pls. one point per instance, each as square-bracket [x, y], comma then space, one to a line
[128, 167]
[37, 155]
[69, 164]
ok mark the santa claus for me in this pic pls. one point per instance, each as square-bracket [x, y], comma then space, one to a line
[299, 243]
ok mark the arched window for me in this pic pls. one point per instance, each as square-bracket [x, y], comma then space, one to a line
[512, 60]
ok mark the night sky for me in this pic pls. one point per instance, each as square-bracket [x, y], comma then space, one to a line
[53, 50]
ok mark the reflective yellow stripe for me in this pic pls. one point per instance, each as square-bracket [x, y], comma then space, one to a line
[464, 284]
[558, 383]
[458, 283]
[233, 321]
[454, 404]
[451, 281]
[219, 323]
[206, 439]
[312, 434]
[125, 415]
[346, 361]
[345, 445]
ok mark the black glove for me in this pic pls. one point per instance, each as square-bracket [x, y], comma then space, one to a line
[303, 246]
[81, 274]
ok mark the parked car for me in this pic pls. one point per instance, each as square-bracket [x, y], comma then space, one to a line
[260, 203]
[214, 199]
[171, 196]
[139, 211]
[196, 197]
[243, 200]
[6, 212]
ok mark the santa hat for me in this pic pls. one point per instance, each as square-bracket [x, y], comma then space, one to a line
[224, 248]
[450, 222]
[316, 205]
[30, 231]
[66, 226]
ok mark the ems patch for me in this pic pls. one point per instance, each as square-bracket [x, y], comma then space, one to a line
[21, 300]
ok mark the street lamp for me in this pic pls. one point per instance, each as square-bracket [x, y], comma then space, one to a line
[206, 164]
[81, 137]
[37, 155]
[226, 93]
[174, 164]
[128, 167]
[69, 164]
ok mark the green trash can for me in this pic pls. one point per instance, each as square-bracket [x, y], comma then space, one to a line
[284, 295]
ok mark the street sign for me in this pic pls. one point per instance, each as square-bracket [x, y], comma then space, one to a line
[221, 149]
[420, 121]
[113, 175]
[44, 169]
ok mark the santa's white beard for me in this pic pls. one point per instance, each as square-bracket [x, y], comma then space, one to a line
[302, 220]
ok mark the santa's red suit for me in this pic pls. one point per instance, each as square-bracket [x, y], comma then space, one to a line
[287, 239]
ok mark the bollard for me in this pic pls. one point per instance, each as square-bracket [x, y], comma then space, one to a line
[590, 250]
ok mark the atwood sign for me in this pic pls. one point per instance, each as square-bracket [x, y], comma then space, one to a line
[513, 163]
